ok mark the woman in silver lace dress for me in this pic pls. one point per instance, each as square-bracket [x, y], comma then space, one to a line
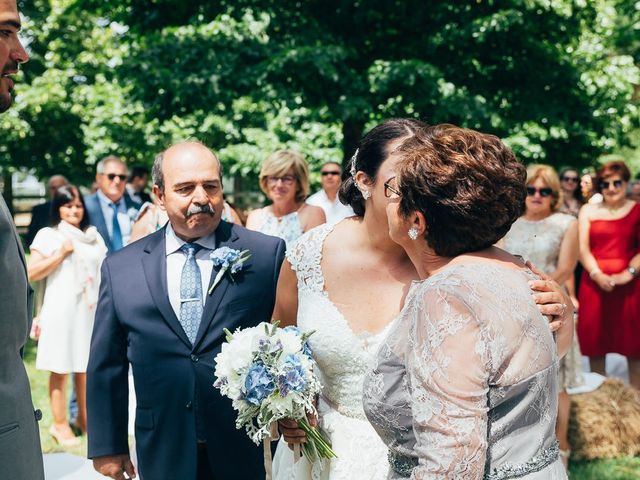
[465, 384]
[550, 240]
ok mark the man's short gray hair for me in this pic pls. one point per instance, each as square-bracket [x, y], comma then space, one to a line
[102, 164]
[156, 171]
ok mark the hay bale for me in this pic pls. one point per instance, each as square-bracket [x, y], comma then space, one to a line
[605, 423]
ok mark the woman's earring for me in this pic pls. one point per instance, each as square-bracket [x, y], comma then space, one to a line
[413, 233]
[365, 194]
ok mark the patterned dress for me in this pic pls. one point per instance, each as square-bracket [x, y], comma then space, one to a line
[465, 384]
[540, 241]
[287, 227]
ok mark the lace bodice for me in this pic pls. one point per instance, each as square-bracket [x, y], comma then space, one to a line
[287, 227]
[343, 356]
[539, 241]
[465, 382]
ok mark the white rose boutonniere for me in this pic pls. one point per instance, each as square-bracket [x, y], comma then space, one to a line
[230, 260]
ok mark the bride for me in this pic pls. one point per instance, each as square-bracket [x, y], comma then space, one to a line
[348, 283]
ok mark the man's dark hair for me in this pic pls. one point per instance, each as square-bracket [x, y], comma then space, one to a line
[138, 171]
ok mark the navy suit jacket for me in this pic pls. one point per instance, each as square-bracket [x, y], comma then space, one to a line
[135, 324]
[96, 218]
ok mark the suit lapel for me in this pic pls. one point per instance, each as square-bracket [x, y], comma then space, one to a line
[9, 219]
[97, 219]
[154, 264]
[225, 237]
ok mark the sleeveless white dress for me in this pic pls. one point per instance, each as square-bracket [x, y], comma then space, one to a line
[343, 358]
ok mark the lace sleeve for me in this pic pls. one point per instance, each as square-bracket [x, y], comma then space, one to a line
[448, 365]
[305, 256]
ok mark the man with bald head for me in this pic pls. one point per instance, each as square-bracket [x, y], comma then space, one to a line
[157, 311]
[20, 454]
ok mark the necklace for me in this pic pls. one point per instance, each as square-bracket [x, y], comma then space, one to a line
[614, 210]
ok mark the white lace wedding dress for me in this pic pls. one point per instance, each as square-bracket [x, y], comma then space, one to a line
[343, 358]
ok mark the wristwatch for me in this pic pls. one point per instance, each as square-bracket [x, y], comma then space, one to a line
[632, 270]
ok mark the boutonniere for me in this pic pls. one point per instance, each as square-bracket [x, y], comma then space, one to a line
[230, 261]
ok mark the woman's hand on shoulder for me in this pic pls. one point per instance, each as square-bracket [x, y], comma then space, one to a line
[311, 216]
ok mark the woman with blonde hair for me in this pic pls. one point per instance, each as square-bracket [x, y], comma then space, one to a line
[549, 239]
[284, 179]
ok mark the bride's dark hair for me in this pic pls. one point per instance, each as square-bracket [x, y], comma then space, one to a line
[371, 153]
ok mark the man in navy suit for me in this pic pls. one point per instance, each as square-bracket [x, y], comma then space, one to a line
[109, 209]
[155, 312]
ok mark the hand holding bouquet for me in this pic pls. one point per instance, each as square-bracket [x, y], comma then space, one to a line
[267, 372]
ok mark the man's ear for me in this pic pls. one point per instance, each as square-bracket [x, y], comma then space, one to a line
[159, 194]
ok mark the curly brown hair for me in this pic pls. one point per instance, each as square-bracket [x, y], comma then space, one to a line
[469, 186]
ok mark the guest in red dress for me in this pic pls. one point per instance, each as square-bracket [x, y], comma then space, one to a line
[609, 234]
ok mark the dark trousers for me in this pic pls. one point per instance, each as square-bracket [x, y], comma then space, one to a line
[204, 471]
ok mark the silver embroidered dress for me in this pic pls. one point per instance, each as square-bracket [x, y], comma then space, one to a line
[465, 385]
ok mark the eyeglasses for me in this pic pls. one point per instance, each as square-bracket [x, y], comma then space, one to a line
[544, 192]
[285, 179]
[604, 185]
[570, 179]
[388, 189]
[330, 172]
[112, 176]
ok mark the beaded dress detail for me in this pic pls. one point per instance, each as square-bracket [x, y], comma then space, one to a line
[465, 383]
[343, 358]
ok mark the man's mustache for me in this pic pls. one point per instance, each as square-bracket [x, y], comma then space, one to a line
[195, 209]
[10, 68]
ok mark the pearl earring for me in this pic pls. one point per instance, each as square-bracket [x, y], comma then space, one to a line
[365, 194]
[413, 233]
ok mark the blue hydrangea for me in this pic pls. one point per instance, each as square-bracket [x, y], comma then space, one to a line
[258, 384]
[292, 380]
[226, 257]
[293, 329]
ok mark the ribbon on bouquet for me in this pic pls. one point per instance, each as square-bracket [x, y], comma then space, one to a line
[266, 445]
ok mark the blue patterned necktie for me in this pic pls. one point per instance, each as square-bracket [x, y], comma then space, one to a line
[190, 292]
[116, 233]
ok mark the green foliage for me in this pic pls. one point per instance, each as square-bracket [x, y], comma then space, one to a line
[554, 79]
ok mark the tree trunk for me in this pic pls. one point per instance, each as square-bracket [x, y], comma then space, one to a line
[351, 133]
[7, 190]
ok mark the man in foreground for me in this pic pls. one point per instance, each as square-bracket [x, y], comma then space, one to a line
[158, 312]
[20, 453]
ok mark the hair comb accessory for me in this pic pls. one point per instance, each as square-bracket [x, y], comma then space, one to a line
[353, 169]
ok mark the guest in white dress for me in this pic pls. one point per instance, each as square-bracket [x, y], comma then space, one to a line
[549, 239]
[465, 384]
[347, 283]
[69, 256]
[284, 179]
[327, 197]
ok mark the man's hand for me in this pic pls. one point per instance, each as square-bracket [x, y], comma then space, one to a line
[115, 466]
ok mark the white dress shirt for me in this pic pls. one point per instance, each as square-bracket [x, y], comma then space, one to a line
[123, 217]
[334, 211]
[176, 259]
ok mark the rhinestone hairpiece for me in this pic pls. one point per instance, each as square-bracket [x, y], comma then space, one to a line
[353, 164]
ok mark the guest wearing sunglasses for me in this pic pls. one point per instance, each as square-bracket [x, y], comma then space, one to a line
[284, 179]
[571, 192]
[327, 197]
[109, 209]
[549, 239]
[609, 234]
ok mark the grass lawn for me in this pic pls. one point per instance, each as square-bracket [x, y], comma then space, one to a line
[619, 469]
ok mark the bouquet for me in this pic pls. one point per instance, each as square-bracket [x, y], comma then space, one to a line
[267, 372]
